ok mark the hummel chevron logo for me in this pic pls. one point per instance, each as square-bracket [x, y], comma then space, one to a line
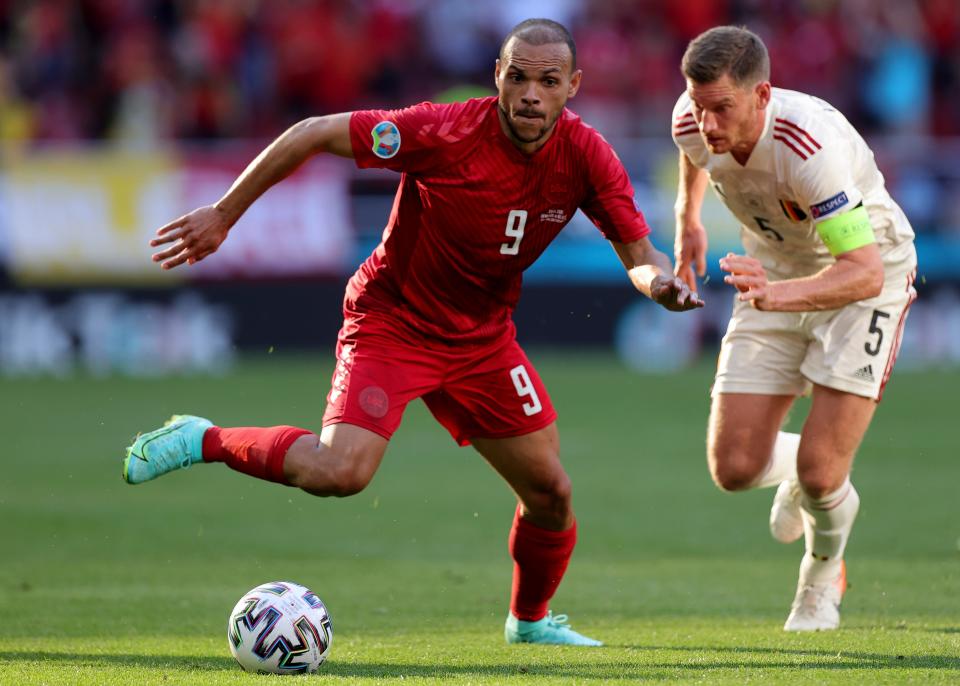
[865, 373]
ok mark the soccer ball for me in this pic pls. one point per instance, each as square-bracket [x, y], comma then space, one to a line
[280, 628]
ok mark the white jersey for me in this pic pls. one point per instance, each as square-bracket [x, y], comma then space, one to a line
[809, 165]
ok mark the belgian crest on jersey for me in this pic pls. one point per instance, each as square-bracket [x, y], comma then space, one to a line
[386, 139]
[793, 211]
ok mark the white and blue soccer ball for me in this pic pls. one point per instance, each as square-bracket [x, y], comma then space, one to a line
[280, 628]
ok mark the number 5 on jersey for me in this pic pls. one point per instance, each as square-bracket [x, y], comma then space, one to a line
[516, 220]
[524, 386]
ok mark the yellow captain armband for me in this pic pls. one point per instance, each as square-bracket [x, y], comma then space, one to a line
[847, 231]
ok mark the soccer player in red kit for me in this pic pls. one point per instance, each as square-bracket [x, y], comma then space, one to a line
[485, 186]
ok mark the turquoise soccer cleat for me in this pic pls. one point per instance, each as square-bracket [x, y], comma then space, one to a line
[176, 445]
[551, 630]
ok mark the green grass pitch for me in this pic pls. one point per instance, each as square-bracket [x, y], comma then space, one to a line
[104, 583]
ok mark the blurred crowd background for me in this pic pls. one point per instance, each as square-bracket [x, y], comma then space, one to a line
[154, 70]
[130, 112]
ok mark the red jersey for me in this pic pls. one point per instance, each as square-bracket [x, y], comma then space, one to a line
[473, 211]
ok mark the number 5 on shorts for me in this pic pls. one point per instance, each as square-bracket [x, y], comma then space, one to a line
[521, 381]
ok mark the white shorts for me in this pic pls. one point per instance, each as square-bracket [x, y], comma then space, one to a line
[851, 349]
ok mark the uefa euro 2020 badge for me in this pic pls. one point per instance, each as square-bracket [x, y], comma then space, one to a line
[386, 139]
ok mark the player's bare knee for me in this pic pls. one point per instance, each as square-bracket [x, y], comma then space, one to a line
[337, 482]
[550, 503]
[338, 472]
[818, 481]
[733, 471]
[731, 481]
[348, 474]
[349, 485]
[561, 494]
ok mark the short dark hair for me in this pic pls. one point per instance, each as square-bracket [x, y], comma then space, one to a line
[542, 32]
[733, 50]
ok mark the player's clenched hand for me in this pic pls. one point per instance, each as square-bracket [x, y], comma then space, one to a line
[690, 251]
[193, 237]
[749, 277]
[673, 294]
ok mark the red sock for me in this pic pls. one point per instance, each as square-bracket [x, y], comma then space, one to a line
[252, 450]
[541, 557]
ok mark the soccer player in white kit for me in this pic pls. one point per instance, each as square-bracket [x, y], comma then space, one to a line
[824, 289]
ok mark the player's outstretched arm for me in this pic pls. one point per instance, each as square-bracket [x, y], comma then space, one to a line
[198, 234]
[652, 274]
[856, 275]
[690, 242]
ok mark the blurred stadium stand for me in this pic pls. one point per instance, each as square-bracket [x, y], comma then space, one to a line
[118, 115]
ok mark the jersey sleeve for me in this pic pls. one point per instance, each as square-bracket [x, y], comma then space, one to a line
[686, 132]
[415, 139]
[825, 182]
[610, 203]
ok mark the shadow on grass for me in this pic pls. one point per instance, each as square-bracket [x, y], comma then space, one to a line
[821, 659]
[596, 664]
[179, 662]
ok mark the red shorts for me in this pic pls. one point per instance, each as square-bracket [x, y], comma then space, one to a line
[487, 391]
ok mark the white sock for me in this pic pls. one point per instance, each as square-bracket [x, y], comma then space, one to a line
[783, 461]
[827, 526]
